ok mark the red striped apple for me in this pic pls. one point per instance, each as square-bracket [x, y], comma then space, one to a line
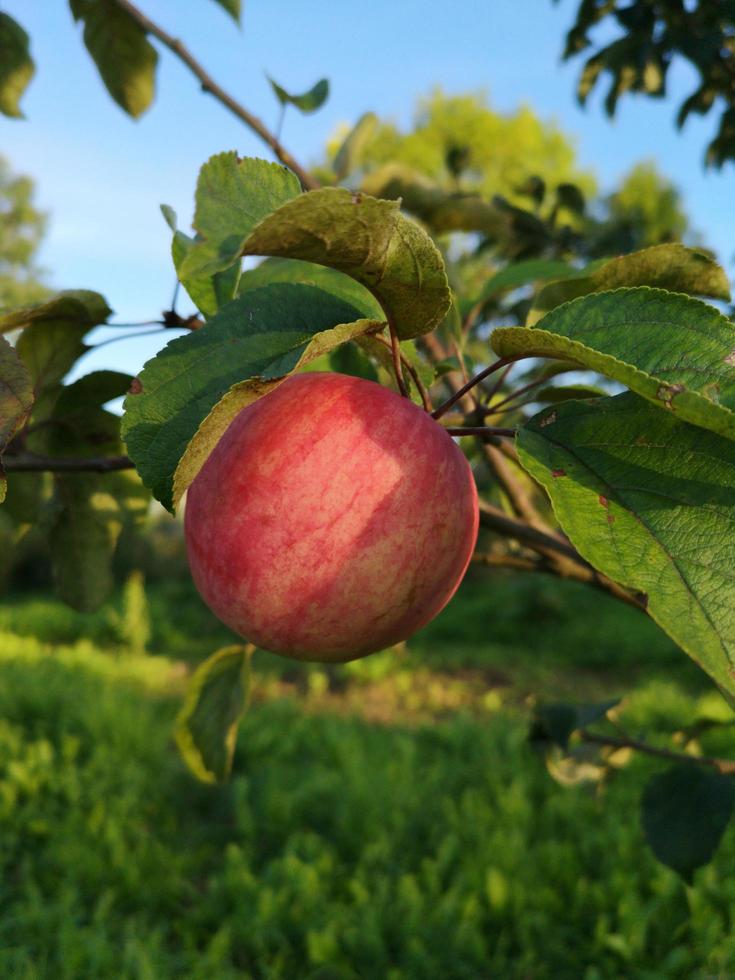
[333, 519]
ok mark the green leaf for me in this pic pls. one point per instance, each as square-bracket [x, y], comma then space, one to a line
[169, 216]
[16, 66]
[349, 359]
[88, 510]
[684, 812]
[307, 102]
[674, 267]
[232, 196]
[233, 8]
[84, 525]
[349, 156]
[207, 292]
[16, 399]
[557, 722]
[673, 350]
[522, 273]
[331, 281]
[92, 390]
[369, 240]
[73, 306]
[49, 350]
[563, 393]
[120, 48]
[649, 501]
[190, 392]
[206, 727]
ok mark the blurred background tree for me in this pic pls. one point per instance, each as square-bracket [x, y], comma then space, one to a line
[22, 227]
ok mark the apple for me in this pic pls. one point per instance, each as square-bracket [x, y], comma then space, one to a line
[334, 518]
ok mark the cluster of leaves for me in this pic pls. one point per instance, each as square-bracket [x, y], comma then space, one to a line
[652, 36]
[118, 38]
[80, 513]
[684, 809]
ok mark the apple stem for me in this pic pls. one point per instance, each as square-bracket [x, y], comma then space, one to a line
[480, 430]
[461, 392]
[395, 347]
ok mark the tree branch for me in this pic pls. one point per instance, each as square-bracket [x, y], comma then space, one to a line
[725, 766]
[30, 463]
[565, 561]
[308, 182]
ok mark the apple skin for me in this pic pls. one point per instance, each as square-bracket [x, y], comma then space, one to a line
[334, 518]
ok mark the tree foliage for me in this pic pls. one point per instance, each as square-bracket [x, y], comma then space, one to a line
[21, 229]
[650, 37]
[471, 236]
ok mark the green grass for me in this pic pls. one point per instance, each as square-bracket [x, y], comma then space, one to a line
[387, 819]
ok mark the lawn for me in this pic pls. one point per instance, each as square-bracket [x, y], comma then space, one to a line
[386, 819]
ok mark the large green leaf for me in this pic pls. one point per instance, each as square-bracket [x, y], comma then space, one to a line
[16, 66]
[650, 502]
[684, 812]
[206, 727]
[369, 240]
[232, 196]
[16, 398]
[349, 156]
[188, 394]
[120, 48]
[673, 350]
[307, 102]
[72, 306]
[331, 281]
[674, 267]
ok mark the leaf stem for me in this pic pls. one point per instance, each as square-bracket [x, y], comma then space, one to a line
[308, 182]
[420, 387]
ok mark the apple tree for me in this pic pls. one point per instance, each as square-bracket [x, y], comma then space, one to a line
[592, 396]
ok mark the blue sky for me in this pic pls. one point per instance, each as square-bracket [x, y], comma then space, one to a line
[102, 176]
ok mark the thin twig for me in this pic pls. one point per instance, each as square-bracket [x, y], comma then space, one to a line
[499, 382]
[308, 182]
[30, 463]
[128, 336]
[480, 430]
[492, 409]
[725, 766]
[466, 388]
